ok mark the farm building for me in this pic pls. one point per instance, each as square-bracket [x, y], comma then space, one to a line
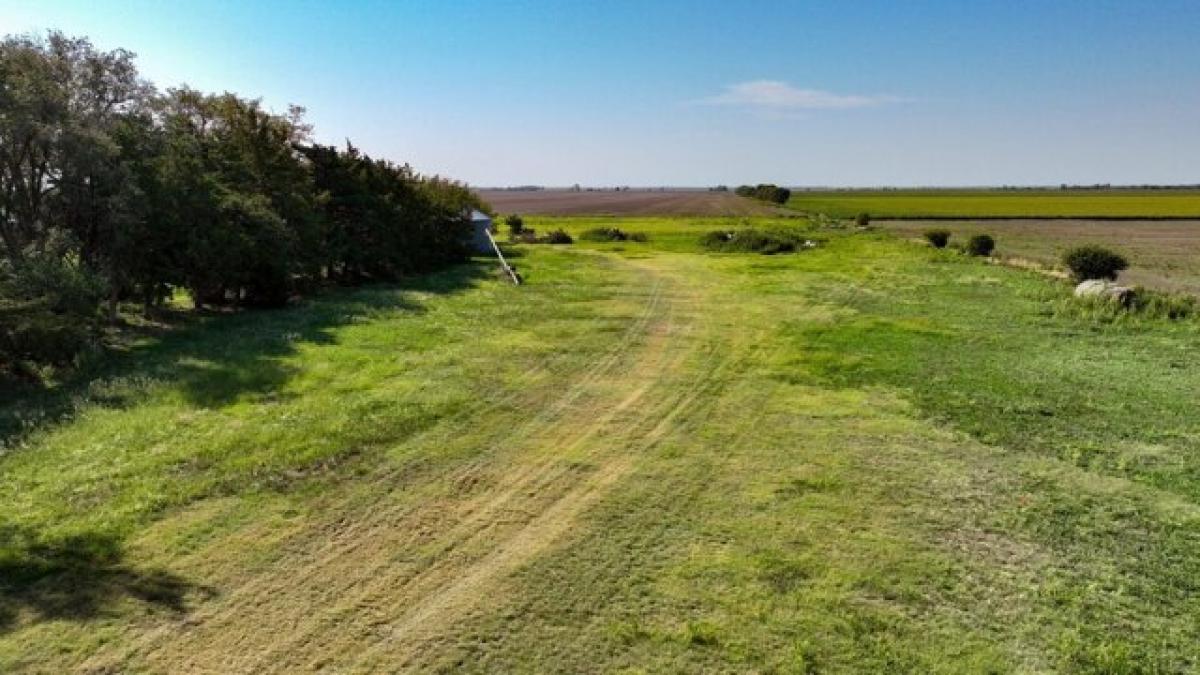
[481, 224]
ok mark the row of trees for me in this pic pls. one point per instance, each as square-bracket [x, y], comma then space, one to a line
[111, 191]
[766, 192]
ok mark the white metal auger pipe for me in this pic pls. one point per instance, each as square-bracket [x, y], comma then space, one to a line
[503, 263]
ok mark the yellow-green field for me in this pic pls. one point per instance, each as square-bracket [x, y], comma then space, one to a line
[869, 456]
[1001, 204]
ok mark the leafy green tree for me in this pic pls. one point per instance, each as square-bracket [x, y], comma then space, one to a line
[515, 224]
[115, 192]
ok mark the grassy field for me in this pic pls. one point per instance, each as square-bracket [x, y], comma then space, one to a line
[1163, 255]
[1002, 204]
[866, 457]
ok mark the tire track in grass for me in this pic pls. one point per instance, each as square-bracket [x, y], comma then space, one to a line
[450, 586]
[413, 642]
[428, 622]
[477, 521]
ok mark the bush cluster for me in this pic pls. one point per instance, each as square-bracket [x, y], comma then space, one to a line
[1094, 262]
[111, 191]
[558, 236]
[515, 225]
[981, 245]
[751, 240]
[766, 192]
[611, 234]
[529, 235]
[1143, 305]
[938, 238]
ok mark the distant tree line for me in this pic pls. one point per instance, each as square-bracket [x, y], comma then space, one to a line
[765, 192]
[1109, 186]
[111, 191]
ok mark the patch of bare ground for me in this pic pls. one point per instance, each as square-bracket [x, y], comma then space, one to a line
[626, 203]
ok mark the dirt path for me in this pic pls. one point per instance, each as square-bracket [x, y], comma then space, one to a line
[381, 581]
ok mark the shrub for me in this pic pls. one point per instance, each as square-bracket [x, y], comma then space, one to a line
[58, 286]
[43, 338]
[749, 240]
[981, 245]
[1094, 262]
[515, 224]
[1160, 305]
[603, 234]
[938, 238]
[863, 220]
[49, 311]
[556, 237]
[611, 234]
[1144, 305]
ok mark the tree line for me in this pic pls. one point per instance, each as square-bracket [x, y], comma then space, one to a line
[765, 192]
[113, 192]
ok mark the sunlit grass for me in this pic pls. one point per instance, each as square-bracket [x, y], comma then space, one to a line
[864, 457]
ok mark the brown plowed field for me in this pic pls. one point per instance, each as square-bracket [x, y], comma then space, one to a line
[1162, 254]
[625, 203]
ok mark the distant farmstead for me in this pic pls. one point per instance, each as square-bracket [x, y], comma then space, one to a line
[481, 224]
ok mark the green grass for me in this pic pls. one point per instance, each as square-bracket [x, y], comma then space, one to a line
[865, 457]
[1001, 204]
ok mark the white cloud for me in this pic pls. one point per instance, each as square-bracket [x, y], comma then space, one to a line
[775, 96]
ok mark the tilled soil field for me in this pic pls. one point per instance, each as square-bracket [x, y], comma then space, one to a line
[1162, 254]
[625, 203]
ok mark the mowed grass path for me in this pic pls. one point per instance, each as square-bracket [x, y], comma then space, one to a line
[1002, 204]
[867, 457]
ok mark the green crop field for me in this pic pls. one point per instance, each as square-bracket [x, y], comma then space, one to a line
[869, 456]
[1001, 204]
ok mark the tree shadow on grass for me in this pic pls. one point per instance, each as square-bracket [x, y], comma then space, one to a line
[78, 578]
[215, 359]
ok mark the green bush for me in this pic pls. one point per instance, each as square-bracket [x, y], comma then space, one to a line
[611, 234]
[603, 234]
[49, 311]
[556, 237]
[981, 245]
[1094, 262]
[41, 337]
[749, 240]
[863, 220]
[515, 224]
[54, 284]
[938, 238]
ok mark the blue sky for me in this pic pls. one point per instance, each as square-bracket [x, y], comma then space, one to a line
[698, 93]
